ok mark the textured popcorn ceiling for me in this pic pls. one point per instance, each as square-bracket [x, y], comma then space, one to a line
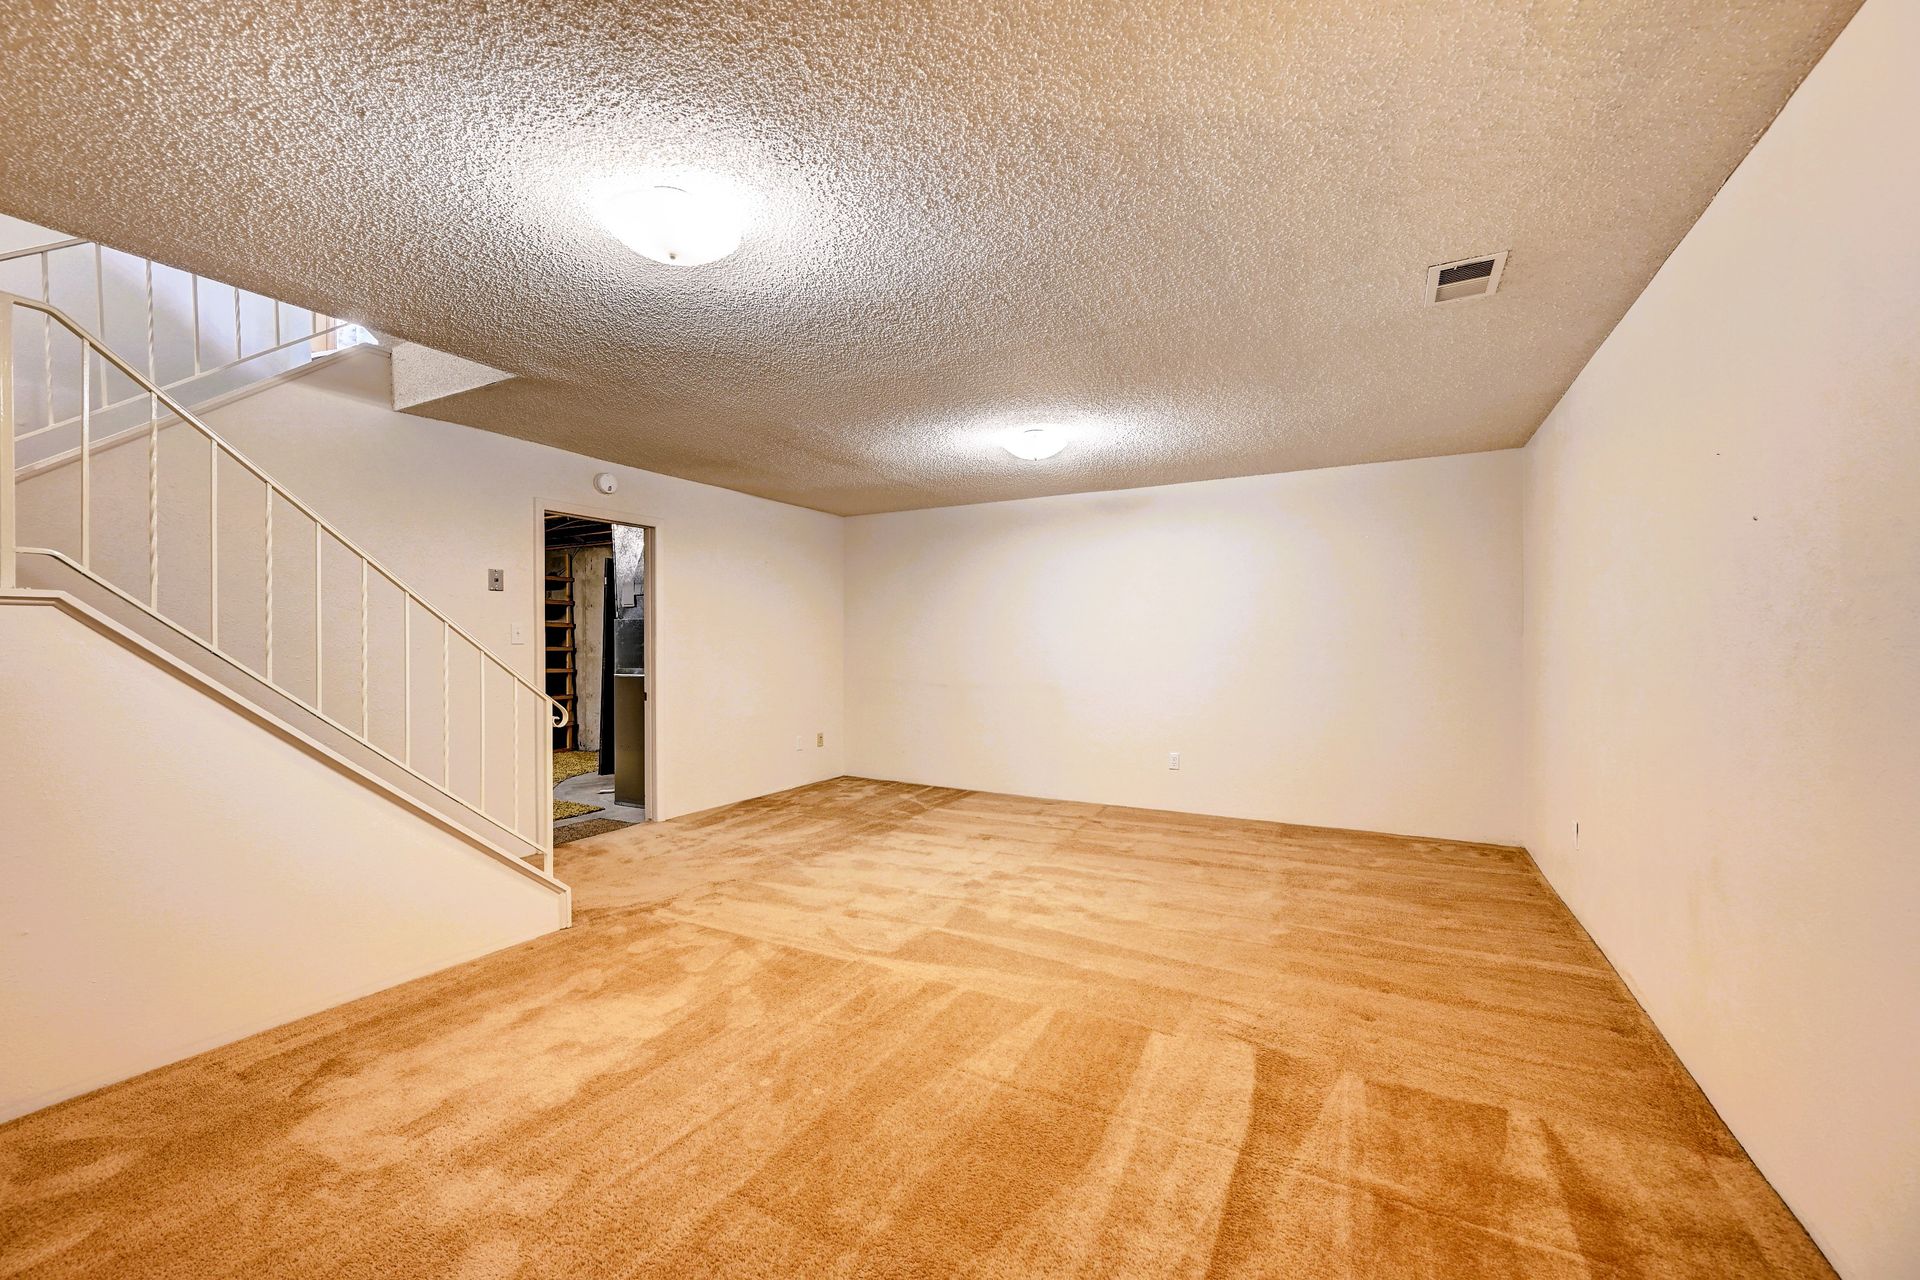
[1196, 232]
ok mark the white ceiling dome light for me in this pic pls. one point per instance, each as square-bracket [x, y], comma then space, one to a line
[1035, 443]
[682, 223]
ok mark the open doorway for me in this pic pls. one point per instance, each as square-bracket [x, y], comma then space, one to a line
[594, 604]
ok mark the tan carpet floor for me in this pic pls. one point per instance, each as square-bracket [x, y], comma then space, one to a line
[866, 1029]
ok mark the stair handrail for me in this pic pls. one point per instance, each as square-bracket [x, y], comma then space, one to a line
[93, 348]
[71, 242]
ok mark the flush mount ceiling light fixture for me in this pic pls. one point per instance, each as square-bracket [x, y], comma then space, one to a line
[1035, 443]
[681, 224]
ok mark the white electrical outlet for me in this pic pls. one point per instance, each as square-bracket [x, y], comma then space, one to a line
[1173, 759]
[819, 739]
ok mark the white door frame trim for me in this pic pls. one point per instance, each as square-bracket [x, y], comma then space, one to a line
[536, 613]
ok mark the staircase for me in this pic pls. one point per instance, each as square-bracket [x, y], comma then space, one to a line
[114, 495]
[247, 773]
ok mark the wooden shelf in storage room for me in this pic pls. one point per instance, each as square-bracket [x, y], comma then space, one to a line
[560, 680]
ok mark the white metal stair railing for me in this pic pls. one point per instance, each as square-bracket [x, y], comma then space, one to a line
[200, 336]
[493, 734]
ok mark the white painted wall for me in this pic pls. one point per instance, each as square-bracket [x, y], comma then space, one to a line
[747, 643]
[1722, 659]
[175, 877]
[17, 233]
[1334, 647]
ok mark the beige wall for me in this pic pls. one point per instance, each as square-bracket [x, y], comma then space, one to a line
[1334, 647]
[1723, 649]
[176, 878]
[748, 592]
